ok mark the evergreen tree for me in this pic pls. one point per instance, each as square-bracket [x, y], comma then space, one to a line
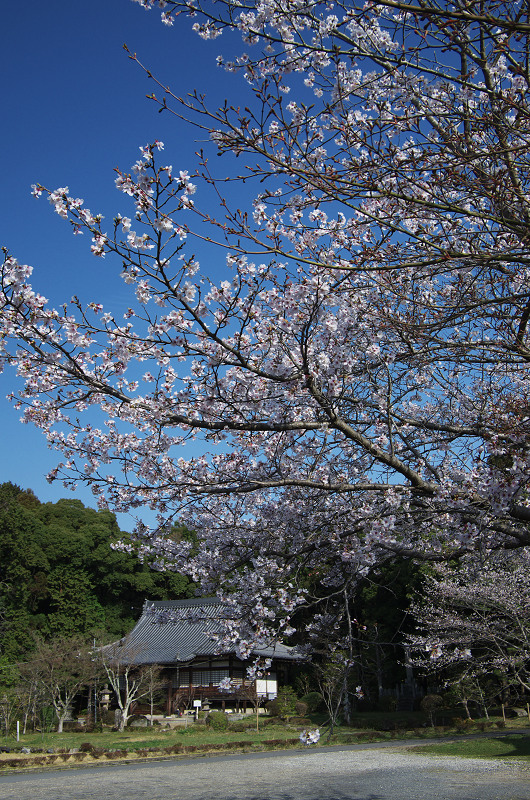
[60, 575]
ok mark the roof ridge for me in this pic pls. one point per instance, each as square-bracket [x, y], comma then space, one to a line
[186, 602]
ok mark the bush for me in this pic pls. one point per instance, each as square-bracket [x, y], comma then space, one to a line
[273, 708]
[74, 727]
[266, 721]
[313, 701]
[238, 727]
[113, 754]
[430, 704]
[301, 708]
[217, 720]
[284, 705]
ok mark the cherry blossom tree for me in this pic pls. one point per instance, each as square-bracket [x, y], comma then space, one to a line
[474, 622]
[356, 380]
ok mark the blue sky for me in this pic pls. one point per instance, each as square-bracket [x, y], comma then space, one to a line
[74, 107]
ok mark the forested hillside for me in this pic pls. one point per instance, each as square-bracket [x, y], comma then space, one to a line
[59, 574]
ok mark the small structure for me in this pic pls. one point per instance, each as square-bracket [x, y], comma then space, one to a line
[182, 637]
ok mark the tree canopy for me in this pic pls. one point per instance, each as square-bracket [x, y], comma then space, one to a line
[60, 575]
[358, 377]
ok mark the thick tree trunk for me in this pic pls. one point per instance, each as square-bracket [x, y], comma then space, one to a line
[122, 718]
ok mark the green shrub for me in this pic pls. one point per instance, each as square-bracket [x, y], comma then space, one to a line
[313, 701]
[74, 727]
[273, 707]
[217, 720]
[284, 705]
[238, 727]
[266, 721]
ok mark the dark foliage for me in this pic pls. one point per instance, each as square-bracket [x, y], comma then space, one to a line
[60, 574]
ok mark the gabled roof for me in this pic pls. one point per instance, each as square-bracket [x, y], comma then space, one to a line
[177, 631]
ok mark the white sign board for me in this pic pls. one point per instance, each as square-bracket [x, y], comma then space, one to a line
[267, 687]
[197, 703]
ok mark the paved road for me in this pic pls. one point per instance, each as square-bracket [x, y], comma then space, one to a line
[339, 774]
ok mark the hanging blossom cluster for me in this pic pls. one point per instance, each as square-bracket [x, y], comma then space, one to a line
[435, 652]
[354, 383]
[254, 672]
[310, 737]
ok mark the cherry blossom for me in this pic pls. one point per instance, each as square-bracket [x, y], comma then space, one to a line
[473, 621]
[310, 737]
[355, 383]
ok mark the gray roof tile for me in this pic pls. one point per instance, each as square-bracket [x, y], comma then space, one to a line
[171, 631]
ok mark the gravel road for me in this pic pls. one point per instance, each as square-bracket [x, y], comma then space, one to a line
[335, 774]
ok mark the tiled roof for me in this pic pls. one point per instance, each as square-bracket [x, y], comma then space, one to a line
[180, 630]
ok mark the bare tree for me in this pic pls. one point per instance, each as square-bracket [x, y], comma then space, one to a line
[154, 681]
[129, 679]
[61, 667]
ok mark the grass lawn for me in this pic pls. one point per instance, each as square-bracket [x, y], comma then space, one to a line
[157, 741]
[141, 738]
[515, 746]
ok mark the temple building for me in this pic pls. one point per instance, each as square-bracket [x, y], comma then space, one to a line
[182, 637]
